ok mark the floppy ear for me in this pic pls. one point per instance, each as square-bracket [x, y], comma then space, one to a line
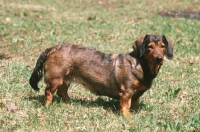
[139, 45]
[169, 48]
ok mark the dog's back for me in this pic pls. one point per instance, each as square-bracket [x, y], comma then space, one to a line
[95, 70]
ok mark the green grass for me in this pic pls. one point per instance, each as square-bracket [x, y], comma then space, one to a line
[28, 27]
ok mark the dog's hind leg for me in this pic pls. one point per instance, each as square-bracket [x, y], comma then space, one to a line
[52, 85]
[62, 92]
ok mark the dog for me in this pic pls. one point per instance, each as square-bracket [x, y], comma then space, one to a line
[120, 76]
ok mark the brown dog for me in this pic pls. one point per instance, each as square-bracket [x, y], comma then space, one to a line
[121, 76]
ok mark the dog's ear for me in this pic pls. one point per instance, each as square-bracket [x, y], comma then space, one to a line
[139, 45]
[169, 48]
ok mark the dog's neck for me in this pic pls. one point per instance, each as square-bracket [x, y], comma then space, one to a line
[150, 71]
[154, 69]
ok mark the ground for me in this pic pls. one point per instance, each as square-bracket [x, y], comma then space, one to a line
[28, 27]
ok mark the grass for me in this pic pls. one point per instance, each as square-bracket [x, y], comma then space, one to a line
[28, 27]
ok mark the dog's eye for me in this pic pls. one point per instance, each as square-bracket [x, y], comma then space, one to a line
[162, 46]
[150, 46]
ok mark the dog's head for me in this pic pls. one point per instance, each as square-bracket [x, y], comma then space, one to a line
[153, 48]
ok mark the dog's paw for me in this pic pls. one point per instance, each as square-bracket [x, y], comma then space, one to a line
[127, 114]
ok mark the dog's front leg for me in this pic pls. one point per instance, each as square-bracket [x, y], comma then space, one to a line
[135, 104]
[125, 103]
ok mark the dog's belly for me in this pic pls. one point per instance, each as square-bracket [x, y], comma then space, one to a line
[97, 88]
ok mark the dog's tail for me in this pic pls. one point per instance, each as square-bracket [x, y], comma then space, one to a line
[38, 71]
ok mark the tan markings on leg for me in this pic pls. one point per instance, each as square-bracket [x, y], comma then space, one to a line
[125, 101]
[52, 86]
[48, 97]
[125, 104]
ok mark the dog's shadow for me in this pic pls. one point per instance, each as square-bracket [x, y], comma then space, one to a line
[107, 104]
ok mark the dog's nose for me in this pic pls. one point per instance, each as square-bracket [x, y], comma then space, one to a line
[159, 58]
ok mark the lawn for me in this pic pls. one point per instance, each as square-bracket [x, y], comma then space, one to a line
[27, 28]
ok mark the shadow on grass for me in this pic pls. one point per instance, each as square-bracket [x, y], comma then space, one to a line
[107, 104]
[191, 15]
[38, 101]
[110, 104]
[4, 56]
